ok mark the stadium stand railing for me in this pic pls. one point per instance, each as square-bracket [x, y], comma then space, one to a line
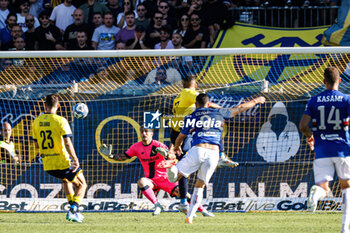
[287, 17]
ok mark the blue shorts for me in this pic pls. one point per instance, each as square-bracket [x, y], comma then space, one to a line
[65, 174]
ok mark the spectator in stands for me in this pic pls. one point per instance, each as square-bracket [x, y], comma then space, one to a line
[82, 42]
[128, 32]
[97, 19]
[139, 36]
[179, 7]
[62, 15]
[19, 44]
[104, 37]
[92, 7]
[120, 45]
[197, 36]
[151, 7]
[29, 35]
[5, 63]
[16, 31]
[165, 42]
[4, 11]
[8, 152]
[197, 8]
[47, 36]
[36, 6]
[5, 33]
[113, 6]
[70, 34]
[183, 24]
[163, 7]
[180, 62]
[47, 6]
[219, 17]
[141, 16]
[21, 17]
[127, 6]
[152, 33]
[161, 77]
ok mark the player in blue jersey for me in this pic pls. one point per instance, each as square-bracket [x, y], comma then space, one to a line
[204, 155]
[329, 113]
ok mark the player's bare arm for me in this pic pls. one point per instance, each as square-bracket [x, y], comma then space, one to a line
[179, 140]
[304, 128]
[214, 105]
[107, 151]
[70, 149]
[245, 106]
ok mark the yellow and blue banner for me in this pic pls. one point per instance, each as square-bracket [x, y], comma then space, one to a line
[248, 35]
[339, 33]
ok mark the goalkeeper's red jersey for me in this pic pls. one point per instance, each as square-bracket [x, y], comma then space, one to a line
[149, 158]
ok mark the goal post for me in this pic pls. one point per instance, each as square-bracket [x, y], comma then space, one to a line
[122, 88]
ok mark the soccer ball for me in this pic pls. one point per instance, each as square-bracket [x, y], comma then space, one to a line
[80, 110]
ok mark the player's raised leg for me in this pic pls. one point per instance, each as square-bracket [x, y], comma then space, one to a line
[224, 161]
[146, 186]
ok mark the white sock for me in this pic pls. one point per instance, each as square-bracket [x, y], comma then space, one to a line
[172, 174]
[319, 193]
[345, 207]
[196, 200]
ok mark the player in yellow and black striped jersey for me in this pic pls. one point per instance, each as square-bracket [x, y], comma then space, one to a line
[52, 135]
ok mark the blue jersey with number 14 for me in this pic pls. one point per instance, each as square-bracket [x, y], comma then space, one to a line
[330, 113]
[208, 125]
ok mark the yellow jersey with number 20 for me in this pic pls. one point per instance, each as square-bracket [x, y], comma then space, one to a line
[48, 131]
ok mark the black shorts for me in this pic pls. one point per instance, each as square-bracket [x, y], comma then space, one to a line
[65, 174]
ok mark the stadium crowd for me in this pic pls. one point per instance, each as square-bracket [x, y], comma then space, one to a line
[121, 24]
[111, 24]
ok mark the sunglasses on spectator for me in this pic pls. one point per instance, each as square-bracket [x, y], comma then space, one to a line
[141, 9]
[158, 17]
[29, 20]
[195, 19]
[44, 17]
[163, 7]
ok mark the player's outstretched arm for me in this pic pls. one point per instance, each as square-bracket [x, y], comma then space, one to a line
[107, 151]
[245, 106]
[214, 105]
[304, 128]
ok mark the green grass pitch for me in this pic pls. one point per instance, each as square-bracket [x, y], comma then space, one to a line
[289, 222]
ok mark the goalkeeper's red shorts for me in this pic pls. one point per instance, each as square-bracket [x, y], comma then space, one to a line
[162, 183]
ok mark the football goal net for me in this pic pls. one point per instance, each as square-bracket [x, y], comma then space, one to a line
[121, 89]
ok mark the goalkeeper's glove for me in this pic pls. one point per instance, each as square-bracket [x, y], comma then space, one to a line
[106, 150]
[163, 152]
